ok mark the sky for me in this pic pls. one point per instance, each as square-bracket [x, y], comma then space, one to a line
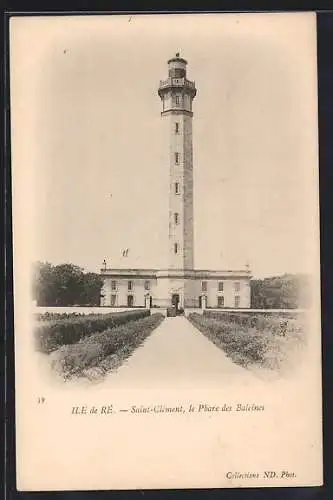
[89, 147]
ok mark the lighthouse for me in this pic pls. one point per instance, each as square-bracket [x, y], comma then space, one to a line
[177, 94]
[180, 284]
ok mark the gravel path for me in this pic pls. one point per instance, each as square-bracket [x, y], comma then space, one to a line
[178, 354]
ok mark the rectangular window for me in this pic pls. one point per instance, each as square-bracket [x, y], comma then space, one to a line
[147, 285]
[176, 216]
[177, 158]
[113, 285]
[204, 286]
[220, 301]
[237, 300]
[177, 191]
[176, 128]
[130, 285]
[113, 300]
[176, 247]
[237, 286]
[220, 286]
[177, 100]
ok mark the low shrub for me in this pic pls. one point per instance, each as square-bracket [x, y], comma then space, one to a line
[120, 341]
[53, 334]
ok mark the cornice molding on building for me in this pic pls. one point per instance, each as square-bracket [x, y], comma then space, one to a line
[212, 273]
[205, 274]
[128, 273]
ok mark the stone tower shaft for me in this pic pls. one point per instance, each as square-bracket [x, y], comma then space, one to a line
[177, 94]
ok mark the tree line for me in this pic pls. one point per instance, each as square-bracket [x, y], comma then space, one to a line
[65, 285]
[69, 285]
[288, 291]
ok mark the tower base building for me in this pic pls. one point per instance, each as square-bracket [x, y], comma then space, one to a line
[195, 288]
[180, 285]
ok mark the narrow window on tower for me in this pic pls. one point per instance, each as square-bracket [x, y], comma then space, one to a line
[204, 286]
[177, 158]
[176, 218]
[177, 188]
[176, 128]
[176, 247]
[177, 100]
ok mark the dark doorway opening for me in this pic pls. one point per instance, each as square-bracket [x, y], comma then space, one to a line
[175, 300]
[130, 300]
[151, 301]
[200, 302]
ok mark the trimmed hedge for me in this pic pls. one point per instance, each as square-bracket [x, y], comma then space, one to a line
[249, 345]
[53, 334]
[51, 316]
[90, 352]
[242, 345]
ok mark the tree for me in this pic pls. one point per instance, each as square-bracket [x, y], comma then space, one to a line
[68, 283]
[65, 285]
[289, 291]
[43, 283]
[91, 293]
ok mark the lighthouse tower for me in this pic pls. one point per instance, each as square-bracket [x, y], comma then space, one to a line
[177, 94]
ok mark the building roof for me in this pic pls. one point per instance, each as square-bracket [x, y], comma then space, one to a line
[177, 58]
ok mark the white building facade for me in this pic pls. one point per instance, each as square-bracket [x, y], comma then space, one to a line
[180, 285]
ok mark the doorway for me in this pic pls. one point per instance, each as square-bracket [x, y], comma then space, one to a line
[175, 300]
[200, 302]
[130, 301]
